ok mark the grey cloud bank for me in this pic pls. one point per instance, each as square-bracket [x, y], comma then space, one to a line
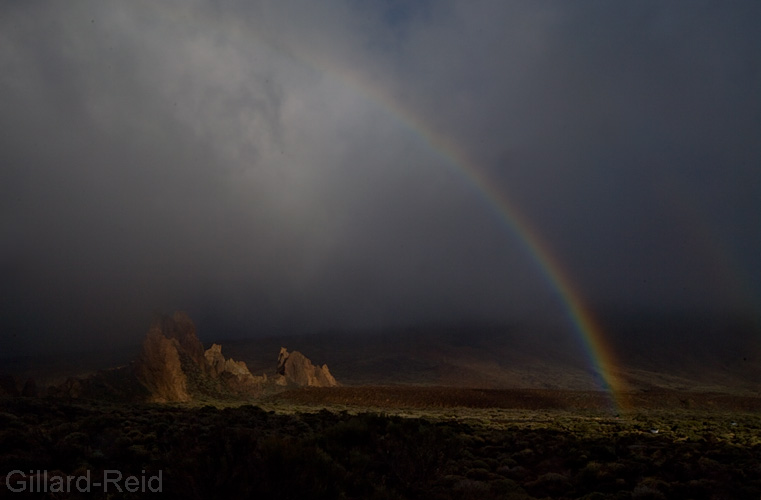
[216, 158]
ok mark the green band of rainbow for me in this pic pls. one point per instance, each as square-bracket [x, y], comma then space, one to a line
[599, 353]
[592, 337]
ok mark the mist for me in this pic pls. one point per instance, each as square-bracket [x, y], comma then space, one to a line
[268, 168]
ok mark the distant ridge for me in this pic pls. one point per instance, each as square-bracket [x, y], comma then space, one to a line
[684, 352]
[690, 351]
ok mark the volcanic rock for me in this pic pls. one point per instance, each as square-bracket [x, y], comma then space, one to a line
[159, 367]
[173, 365]
[235, 375]
[181, 328]
[296, 369]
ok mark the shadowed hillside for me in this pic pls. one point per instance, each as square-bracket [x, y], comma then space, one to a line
[686, 352]
[676, 352]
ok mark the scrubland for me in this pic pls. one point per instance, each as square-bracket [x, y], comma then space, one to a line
[297, 446]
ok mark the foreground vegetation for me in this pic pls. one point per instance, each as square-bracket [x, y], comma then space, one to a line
[279, 451]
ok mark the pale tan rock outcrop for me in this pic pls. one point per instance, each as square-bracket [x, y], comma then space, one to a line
[159, 368]
[174, 367]
[218, 364]
[181, 328]
[214, 359]
[296, 369]
[235, 374]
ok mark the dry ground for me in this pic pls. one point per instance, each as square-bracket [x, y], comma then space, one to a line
[391, 397]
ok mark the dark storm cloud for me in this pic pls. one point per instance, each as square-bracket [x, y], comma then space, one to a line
[628, 134]
[214, 159]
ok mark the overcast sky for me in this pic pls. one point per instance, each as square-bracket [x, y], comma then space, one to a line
[264, 166]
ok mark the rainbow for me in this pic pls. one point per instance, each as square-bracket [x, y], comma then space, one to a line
[599, 353]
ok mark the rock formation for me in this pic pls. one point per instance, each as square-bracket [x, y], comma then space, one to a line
[159, 367]
[174, 367]
[234, 374]
[180, 327]
[293, 368]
